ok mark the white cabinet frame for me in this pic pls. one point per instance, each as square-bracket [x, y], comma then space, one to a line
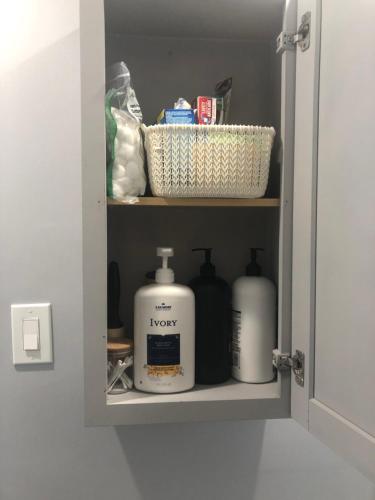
[267, 401]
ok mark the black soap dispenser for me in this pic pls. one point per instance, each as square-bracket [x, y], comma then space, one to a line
[213, 324]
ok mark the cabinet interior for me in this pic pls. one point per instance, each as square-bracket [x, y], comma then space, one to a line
[184, 53]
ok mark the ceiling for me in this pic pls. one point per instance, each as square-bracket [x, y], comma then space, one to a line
[236, 19]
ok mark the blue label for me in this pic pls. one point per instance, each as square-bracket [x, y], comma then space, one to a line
[172, 116]
[163, 350]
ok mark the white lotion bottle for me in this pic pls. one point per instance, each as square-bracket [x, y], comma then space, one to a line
[164, 333]
[254, 325]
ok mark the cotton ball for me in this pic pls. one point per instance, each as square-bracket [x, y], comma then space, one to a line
[126, 135]
[124, 124]
[137, 178]
[118, 171]
[127, 179]
[120, 116]
[134, 178]
[125, 152]
[132, 167]
[128, 176]
[133, 174]
[137, 140]
[132, 188]
[118, 190]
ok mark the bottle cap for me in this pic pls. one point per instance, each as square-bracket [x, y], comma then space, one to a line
[253, 268]
[207, 268]
[164, 274]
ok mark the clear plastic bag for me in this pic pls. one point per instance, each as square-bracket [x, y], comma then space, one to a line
[126, 178]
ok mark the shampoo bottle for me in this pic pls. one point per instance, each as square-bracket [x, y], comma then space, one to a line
[254, 325]
[164, 339]
[213, 324]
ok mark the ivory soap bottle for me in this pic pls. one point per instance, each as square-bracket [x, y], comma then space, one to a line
[254, 325]
[164, 336]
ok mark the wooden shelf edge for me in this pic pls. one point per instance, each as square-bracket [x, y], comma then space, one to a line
[198, 202]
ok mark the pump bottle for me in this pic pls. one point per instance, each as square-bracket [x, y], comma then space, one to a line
[164, 339]
[254, 325]
[212, 324]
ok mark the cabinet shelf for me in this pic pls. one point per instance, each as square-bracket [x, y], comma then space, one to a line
[199, 202]
[230, 401]
[229, 391]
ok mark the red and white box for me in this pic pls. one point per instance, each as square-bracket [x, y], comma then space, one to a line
[206, 110]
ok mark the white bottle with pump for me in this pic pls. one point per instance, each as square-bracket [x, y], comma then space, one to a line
[164, 333]
[254, 325]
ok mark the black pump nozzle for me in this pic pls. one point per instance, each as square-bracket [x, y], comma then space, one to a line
[253, 268]
[207, 269]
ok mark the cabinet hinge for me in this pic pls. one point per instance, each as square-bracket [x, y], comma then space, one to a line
[283, 361]
[288, 41]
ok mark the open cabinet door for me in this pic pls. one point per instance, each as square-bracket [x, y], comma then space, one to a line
[333, 288]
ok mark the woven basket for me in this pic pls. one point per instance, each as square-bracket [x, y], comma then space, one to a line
[208, 161]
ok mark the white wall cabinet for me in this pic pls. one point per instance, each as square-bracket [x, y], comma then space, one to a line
[314, 223]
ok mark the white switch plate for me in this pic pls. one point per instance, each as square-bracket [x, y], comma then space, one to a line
[21, 314]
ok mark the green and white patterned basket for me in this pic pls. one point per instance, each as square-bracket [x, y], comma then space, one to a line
[208, 161]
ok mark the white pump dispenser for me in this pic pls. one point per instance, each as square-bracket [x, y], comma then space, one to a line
[164, 333]
[254, 325]
[164, 274]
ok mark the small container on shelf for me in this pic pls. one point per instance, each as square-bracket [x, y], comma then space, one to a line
[208, 161]
[120, 360]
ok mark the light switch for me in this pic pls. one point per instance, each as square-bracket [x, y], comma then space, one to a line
[30, 330]
[31, 333]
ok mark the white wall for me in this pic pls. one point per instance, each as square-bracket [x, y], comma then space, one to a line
[46, 453]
